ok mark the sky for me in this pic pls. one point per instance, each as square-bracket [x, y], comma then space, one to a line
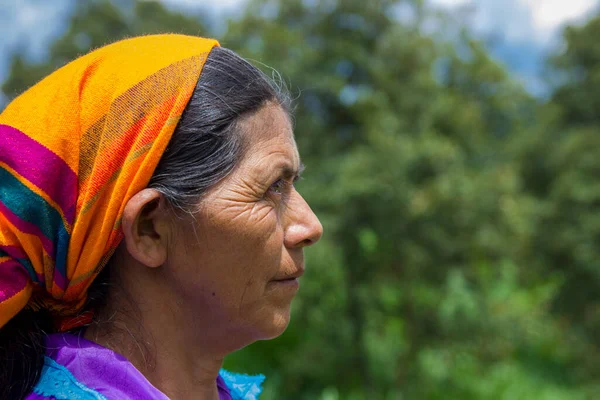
[520, 33]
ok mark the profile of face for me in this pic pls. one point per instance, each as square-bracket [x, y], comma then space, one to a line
[234, 266]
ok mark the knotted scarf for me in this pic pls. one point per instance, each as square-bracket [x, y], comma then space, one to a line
[73, 150]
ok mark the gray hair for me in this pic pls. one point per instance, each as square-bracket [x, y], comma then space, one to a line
[207, 144]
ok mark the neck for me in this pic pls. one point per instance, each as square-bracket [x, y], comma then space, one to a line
[178, 357]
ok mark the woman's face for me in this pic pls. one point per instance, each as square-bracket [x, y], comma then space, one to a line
[237, 264]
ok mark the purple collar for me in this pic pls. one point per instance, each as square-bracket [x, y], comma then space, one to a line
[100, 370]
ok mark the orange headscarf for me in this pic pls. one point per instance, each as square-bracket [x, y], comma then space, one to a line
[73, 150]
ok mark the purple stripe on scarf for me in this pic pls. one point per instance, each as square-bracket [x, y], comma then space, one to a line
[13, 277]
[59, 279]
[13, 251]
[41, 167]
[19, 255]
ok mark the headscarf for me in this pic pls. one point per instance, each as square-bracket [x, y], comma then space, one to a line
[73, 150]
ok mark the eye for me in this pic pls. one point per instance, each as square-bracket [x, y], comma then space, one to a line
[279, 186]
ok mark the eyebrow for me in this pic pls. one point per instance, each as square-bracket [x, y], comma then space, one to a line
[290, 173]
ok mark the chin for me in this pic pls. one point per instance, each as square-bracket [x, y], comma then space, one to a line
[276, 325]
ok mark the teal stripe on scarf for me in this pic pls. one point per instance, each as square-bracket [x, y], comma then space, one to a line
[30, 209]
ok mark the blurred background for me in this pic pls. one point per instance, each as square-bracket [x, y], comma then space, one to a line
[453, 156]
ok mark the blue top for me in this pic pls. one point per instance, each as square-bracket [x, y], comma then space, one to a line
[78, 369]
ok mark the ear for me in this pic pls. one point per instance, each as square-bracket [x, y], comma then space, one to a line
[145, 227]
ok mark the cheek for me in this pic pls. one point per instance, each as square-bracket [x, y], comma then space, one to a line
[232, 251]
[258, 243]
[245, 227]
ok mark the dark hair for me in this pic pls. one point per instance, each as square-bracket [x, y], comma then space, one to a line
[205, 147]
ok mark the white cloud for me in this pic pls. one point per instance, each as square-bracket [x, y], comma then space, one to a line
[523, 32]
[548, 15]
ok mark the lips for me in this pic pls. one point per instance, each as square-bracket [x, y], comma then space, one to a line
[290, 276]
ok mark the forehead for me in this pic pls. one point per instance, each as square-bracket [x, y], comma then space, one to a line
[269, 133]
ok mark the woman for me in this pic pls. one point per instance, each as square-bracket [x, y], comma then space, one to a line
[149, 225]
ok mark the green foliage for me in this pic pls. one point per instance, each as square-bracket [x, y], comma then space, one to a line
[460, 258]
[579, 74]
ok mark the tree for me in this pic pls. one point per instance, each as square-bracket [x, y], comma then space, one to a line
[577, 72]
[559, 166]
[421, 287]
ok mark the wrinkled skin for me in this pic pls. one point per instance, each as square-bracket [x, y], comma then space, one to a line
[249, 230]
[190, 290]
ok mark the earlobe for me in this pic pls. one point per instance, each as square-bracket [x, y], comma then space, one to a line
[145, 228]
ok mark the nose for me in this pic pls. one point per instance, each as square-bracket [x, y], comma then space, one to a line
[303, 228]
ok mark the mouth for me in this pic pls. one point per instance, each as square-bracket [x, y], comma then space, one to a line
[292, 284]
[290, 276]
[290, 280]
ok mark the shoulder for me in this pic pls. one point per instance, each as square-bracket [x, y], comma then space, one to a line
[75, 368]
[57, 382]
